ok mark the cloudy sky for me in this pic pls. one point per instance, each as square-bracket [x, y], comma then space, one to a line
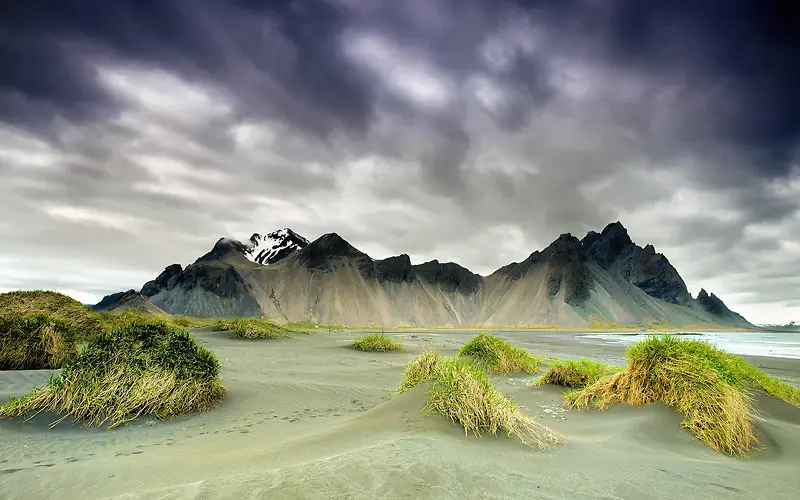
[134, 133]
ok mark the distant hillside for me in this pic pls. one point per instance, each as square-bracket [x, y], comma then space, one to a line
[604, 279]
[792, 326]
[123, 301]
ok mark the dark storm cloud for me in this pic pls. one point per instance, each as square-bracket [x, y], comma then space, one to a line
[283, 57]
[461, 117]
[278, 57]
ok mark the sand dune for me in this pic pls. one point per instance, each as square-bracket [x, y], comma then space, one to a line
[309, 418]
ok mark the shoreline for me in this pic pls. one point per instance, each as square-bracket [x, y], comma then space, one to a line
[378, 329]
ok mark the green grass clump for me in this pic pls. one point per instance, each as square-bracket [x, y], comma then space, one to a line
[86, 322]
[36, 342]
[708, 386]
[497, 355]
[376, 343]
[575, 373]
[419, 370]
[252, 328]
[461, 391]
[146, 367]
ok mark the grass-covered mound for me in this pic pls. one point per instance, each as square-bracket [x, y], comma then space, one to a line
[708, 386]
[461, 391]
[575, 373]
[252, 328]
[376, 343]
[497, 355]
[142, 368]
[36, 342]
[86, 322]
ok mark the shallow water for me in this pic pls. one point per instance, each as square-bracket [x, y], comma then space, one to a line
[774, 344]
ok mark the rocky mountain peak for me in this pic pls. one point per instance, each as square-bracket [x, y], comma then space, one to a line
[164, 281]
[275, 246]
[610, 245]
[331, 250]
[713, 304]
[110, 300]
[222, 248]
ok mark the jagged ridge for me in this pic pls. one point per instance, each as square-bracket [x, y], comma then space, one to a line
[571, 282]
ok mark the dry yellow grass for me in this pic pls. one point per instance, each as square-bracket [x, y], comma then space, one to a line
[461, 391]
[575, 373]
[86, 322]
[141, 368]
[35, 342]
[694, 378]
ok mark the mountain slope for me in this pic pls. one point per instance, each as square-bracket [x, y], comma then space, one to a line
[122, 301]
[603, 278]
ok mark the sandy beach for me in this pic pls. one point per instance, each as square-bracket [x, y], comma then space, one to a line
[308, 417]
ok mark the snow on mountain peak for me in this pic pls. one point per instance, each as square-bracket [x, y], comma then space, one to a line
[272, 247]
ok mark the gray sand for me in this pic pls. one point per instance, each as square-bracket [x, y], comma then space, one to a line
[309, 418]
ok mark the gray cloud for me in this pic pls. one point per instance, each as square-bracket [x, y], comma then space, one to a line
[463, 130]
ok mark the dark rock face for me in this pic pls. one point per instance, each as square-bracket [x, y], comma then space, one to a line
[566, 269]
[394, 269]
[331, 251]
[164, 281]
[612, 244]
[449, 276]
[612, 249]
[112, 300]
[222, 281]
[207, 288]
[222, 248]
[712, 304]
[642, 267]
[653, 273]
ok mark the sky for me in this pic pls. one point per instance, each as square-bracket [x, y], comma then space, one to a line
[135, 133]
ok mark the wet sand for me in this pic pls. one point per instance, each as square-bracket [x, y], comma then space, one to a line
[309, 418]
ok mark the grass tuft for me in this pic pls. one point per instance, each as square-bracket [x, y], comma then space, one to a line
[146, 367]
[575, 373]
[420, 369]
[252, 328]
[86, 322]
[708, 386]
[497, 355]
[461, 391]
[36, 342]
[376, 343]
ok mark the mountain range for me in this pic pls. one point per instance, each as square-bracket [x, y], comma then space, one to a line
[603, 279]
